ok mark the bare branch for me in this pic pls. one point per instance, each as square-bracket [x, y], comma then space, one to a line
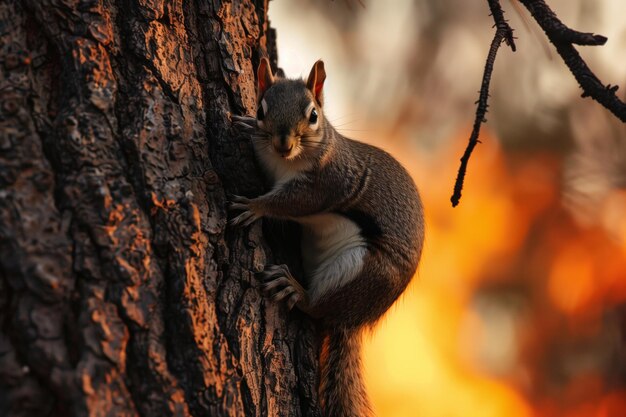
[504, 33]
[563, 39]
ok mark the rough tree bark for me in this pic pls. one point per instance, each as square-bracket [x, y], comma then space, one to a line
[122, 290]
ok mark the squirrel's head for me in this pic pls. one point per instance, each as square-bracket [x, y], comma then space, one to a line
[290, 111]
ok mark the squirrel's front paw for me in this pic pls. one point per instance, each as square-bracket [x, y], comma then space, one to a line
[250, 211]
[244, 122]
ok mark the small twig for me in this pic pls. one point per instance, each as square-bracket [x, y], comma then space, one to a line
[564, 40]
[504, 33]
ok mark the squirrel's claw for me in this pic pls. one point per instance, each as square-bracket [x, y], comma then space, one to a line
[284, 293]
[245, 219]
[273, 271]
[267, 287]
[239, 199]
[237, 206]
[244, 126]
[245, 122]
[280, 285]
[248, 216]
[238, 118]
[239, 203]
[293, 300]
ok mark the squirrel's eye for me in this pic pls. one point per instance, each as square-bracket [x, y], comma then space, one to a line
[313, 117]
[260, 114]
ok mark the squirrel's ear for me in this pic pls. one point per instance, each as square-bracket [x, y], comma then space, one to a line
[315, 82]
[265, 77]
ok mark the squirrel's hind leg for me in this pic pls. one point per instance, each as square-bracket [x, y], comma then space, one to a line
[279, 284]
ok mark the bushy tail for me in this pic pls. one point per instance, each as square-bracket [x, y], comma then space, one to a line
[342, 391]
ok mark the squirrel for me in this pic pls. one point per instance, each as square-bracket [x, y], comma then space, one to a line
[361, 218]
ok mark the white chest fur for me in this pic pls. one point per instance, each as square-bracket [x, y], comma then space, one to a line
[280, 169]
[332, 251]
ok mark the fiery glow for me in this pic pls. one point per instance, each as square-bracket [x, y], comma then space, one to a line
[451, 348]
[518, 307]
[571, 283]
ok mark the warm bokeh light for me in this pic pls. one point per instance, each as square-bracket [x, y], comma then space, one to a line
[519, 306]
[417, 362]
[474, 330]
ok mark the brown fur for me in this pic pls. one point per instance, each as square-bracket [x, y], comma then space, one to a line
[342, 392]
[334, 178]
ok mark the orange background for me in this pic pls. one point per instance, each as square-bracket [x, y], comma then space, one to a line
[518, 308]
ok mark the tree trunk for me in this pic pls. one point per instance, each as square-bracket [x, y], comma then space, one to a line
[122, 290]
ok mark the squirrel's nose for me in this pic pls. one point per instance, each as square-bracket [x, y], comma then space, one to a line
[284, 150]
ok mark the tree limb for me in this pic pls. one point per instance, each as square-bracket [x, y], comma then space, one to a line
[564, 40]
[504, 33]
